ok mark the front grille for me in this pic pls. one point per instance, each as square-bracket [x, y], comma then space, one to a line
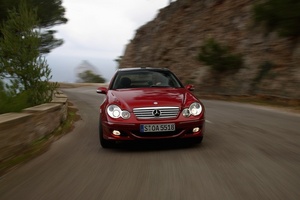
[157, 134]
[156, 112]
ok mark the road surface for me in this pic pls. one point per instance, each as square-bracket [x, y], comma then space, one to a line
[248, 152]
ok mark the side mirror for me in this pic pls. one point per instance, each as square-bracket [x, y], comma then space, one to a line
[102, 90]
[190, 87]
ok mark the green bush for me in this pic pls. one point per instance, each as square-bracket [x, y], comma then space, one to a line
[89, 77]
[12, 103]
[22, 66]
[282, 16]
[218, 57]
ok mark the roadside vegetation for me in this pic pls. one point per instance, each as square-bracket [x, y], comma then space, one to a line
[282, 16]
[24, 72]
[89, 77]
[219, 57]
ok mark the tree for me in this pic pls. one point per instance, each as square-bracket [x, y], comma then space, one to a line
[89, 77]
[20, 59]
[49, 12]
[282, 16]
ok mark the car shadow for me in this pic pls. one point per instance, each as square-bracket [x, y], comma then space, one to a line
[155, 145]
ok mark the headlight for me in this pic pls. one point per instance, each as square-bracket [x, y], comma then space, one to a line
[125, 114]
[116, 112]
[195, 109]
[186, 112]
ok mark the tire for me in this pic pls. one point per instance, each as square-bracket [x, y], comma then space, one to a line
[103, 142]
[198, 140]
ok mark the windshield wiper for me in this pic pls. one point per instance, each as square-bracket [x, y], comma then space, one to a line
[160, 86]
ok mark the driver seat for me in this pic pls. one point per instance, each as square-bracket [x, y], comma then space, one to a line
[125, 82]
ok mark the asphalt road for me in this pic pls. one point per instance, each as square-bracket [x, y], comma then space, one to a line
[248, 152]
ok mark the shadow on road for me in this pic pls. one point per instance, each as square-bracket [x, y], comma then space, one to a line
[154, 145]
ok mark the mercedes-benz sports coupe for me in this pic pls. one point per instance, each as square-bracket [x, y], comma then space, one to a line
[149, 104]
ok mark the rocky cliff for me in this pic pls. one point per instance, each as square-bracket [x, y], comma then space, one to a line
[173, 40]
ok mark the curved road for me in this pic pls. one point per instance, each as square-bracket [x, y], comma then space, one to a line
[248, 152]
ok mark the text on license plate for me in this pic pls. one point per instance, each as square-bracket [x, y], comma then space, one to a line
[157, 127]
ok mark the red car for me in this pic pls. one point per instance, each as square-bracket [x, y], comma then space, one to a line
[148, 104]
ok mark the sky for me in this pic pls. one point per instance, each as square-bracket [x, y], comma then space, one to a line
[98, 32]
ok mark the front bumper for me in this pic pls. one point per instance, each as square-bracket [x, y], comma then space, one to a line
[131, 131]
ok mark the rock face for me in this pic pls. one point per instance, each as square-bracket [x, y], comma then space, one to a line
[173, 40]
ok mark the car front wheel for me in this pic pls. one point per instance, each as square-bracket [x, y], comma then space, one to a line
[103, 142]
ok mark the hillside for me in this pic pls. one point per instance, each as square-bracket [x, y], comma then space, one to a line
[173, 40]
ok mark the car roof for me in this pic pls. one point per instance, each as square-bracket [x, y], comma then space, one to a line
[143, 68]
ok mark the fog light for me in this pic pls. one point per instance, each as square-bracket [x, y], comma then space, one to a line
[115, 132]
[195, 130]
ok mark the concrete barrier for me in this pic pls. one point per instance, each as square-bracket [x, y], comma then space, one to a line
[18, 130]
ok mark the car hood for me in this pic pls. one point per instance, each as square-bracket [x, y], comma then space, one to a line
[152, 97]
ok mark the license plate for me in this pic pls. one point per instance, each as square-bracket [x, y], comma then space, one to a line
[157, 127]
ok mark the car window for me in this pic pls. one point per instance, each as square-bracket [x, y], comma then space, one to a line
[144, 79]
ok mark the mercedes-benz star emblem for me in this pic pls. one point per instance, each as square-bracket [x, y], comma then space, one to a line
[156, 113]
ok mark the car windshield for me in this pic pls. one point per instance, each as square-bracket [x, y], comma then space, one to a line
[145, 79]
